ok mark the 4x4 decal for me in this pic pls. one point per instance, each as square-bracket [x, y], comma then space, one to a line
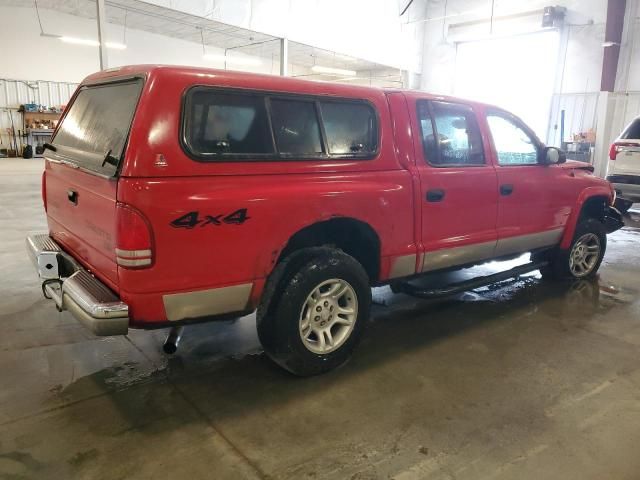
[192, 219]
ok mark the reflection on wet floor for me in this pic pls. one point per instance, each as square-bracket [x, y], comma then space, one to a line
[521, 379]
[632, 218]
[206, 347]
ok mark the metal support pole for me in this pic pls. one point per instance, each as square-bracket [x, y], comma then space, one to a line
[605, 111]
[284, 56]
[102, 34]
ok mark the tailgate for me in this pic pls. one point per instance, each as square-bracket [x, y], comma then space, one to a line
[627, 151]
[80, 181]
[627, 160]
[86, 226]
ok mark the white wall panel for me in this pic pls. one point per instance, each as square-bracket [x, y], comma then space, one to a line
[14, 93]
[580, 115]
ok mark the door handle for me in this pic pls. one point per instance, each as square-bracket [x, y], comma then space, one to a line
[506, 189]
[72, 196]
[435, 195]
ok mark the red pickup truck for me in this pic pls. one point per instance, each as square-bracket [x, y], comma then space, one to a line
[177, 194]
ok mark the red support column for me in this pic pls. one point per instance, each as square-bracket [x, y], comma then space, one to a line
[613, 37]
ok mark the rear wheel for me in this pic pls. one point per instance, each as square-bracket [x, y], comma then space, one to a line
[317, 313]
[584, 256]
[623, 206]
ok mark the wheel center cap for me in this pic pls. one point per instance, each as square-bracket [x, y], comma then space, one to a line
[326, 311]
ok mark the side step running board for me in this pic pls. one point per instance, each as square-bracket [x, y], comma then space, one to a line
[470, 284]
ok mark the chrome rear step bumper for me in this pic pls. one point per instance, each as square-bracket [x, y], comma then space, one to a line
[73, 288]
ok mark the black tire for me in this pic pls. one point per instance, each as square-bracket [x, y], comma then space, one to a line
[623, 206]
[559, 267]
[279, 314]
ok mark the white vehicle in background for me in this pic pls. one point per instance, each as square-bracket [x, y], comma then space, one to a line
[624, 166]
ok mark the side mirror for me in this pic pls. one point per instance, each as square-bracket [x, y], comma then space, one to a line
[553, 156]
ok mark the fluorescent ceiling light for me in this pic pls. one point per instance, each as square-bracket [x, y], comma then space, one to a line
[115, 46]
[80, 41]
[336, 71]
[349, 79]
[233, 60]
[92, 43]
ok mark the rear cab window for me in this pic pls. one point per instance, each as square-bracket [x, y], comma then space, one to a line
[224, 125]
[296, 127]
[350, 128]
[94, 131]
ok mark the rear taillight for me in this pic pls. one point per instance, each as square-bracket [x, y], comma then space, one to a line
[134, 243]
[617, 147]
[43, 186]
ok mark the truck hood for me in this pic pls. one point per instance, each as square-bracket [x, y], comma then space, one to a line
[576, 165]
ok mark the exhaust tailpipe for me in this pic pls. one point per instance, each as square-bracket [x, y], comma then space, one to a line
[173, 339]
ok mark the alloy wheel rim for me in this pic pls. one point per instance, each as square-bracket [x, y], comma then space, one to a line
[328, 316]
[584, 255]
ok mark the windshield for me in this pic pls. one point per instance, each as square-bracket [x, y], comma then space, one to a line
[95, 129]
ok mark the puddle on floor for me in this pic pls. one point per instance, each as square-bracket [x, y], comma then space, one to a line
[233, 345]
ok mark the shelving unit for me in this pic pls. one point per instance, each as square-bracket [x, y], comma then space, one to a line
[39, 127]
[581, 151]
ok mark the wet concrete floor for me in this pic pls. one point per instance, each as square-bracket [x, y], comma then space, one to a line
[523, 380]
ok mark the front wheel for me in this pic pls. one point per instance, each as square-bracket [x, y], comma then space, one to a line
[584, 256]
[317, 314]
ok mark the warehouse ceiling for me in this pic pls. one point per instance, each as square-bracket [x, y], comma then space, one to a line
[159, 20]
[463, 11]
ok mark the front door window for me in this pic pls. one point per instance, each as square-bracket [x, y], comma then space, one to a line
[513, 145]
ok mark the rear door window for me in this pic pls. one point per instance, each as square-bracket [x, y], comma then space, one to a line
[296, 128]
[350, 128]
[450, 135]
[633, 131]
[94, 131]
[227, 124]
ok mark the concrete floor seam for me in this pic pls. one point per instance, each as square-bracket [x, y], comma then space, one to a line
[200, 413]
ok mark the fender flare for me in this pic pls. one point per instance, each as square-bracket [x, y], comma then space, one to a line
[572, 222]
[268, 261]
